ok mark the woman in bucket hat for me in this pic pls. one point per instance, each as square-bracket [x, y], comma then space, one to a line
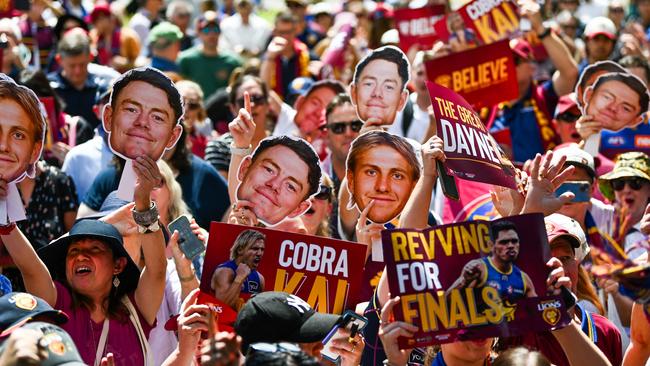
[88, 274]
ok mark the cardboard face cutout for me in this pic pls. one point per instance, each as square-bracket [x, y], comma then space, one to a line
[22, 126]
[617, 100]
[381, 168]
[378, 89]
[142, 118]
[278, 179]
[589, 76]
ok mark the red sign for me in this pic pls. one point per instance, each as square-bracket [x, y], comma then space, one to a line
[415, 26]
[489, 21]
[484, 76]
[472, 153]
[454, 287]
[324, 272]
[7, 9]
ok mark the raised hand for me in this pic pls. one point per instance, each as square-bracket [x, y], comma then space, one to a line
[545, 177]
[242, 128]
[367, 233]
[390, 331]
[432, 151]
[587, 126]
[242, 214]
[149, 178]
[277, 45]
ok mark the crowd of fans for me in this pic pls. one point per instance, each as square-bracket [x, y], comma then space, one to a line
[88, 278]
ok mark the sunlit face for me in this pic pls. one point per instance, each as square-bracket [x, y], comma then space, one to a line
[561, 249]
[576, 210]
[252, 255]
[19, 148]
[378, 93]
[632, 200]
[567, 130]
[90, 266]
[143, 122]
[339, 144]
[286, 30]
[468, 352]
[382, 174]
[75, 68]
[614, 104]
[259, 104]
[506, 246]
[310, 111]
[599, 47]
[276, 184]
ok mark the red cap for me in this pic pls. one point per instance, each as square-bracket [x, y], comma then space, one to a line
[566, 103]
[101, 8]
[521, 48]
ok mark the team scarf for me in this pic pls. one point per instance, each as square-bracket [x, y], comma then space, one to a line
[302, 53]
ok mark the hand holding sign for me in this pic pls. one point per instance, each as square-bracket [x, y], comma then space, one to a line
[432, 153]
[390, 330]
[149, 178]
[242, 128]
[242, 214]
[587, 126]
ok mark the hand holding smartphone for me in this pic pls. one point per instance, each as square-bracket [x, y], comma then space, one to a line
[351, 321]
[189, 243]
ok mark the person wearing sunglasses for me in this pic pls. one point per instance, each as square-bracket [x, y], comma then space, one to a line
[199, 126]
[628, 186]
[342, 126]
[317, 218]
[203, 63]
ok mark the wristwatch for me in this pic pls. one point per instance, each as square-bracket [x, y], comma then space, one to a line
[545, 33]
[147, 221]
[149, 229]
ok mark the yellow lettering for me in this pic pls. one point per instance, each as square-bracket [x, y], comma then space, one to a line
[491, 298]
[437, 310]
[281, 284]
[428, 245]
[503, 25]
[413, 244]
[399, 246]
[422, 306]
[445, 242]
[318, 295]
[484, 237]
[341, 295]
[484, 28]
[469, 238]
[474, 316]
[409, 314]
[457, 310]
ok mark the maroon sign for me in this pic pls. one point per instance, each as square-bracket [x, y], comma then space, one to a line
[472, 153]
[456, 284]
[484, 76]
[415, 26]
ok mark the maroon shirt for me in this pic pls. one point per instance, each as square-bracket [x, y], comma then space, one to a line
[598, 328]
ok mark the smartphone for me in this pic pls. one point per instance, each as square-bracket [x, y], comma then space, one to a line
[447, 182]
[581, 190]
[351, 321]
[189, 243]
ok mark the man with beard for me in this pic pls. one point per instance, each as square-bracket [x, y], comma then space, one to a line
[498, 270]
[236, 280]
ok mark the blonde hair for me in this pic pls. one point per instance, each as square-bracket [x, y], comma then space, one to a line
[324, 226]
[188, 85]
[176, 206]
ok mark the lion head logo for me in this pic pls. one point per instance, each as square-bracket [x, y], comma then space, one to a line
[444, 80]
[551, 316]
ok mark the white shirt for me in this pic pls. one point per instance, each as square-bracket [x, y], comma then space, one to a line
[141, 24]
[252, 36]
[285, 124]
[419, 125]
[162, 341]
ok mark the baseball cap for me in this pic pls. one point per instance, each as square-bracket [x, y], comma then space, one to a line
[53, 254]
[281, 317]
[575, 156]
[566, 103]
[558, 225]
[17, 308]
[628, 165]
[520, 47]
[59, 347]
[300, 86]
[166, 31]
[101, 9]
[391, 36]
[598, 26]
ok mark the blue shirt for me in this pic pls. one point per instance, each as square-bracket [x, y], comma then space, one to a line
[80, 102]
[252, 285]
[511, 285]
[164, 64]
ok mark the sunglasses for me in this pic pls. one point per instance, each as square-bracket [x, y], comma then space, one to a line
[193, 105]
[208, 29]
[339, 127]
[255, 99]
[567, 117]
[634, 183]
[325, 193]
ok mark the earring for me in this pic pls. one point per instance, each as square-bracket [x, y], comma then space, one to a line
[116, 282]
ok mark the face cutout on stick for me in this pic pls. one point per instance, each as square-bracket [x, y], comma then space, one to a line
[589, 76]
[22, 126]
[617, 100]
[278, 179]
[381, 168]
[378, 88]
[143, 115]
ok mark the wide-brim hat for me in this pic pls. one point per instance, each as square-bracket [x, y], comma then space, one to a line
[54, 254]
[628, 165]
